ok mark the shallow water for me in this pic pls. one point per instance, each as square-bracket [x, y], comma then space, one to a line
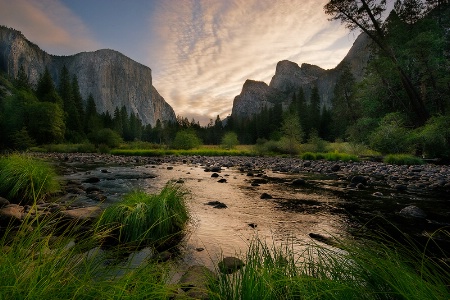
[324, 206]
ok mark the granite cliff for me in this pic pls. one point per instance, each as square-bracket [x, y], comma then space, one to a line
[290, 77]
[113, 79]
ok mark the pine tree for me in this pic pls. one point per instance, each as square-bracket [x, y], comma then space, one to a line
[71, 115]
[46, 91]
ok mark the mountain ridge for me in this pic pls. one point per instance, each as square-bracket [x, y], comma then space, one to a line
[113, 79]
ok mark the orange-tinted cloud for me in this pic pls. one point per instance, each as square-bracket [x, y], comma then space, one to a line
[208, 48]
[49, 24]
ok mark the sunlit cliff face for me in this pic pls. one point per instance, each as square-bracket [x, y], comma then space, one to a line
[201, 51]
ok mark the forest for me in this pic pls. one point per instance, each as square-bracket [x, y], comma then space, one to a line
[402, 104]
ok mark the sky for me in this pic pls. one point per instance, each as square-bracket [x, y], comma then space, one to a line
[200, 51]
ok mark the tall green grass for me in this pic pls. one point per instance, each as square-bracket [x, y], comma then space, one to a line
[36, 263]
[367, 270]
[141, 218]
[26, 179]
[330, 156]
[403, 159]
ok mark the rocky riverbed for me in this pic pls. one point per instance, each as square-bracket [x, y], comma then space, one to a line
[232, 199]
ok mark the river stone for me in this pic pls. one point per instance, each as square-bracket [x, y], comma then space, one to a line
[11, 213]
[195, 281]
[266, 196]
[216, 204]
[298, 182]
[335, 168]
[230, 264]
[223, 180]
[359, 179]
[413, 211]
[92, 180]
[3, 202]
[214, 175]
[83, 214]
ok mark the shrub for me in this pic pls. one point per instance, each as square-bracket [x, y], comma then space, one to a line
[186, 139]
[392, 136]
[403, 159]
[147, 219]
[435, 137]
[308, 156]
[26, 179]
[230, 140]
[106, 137]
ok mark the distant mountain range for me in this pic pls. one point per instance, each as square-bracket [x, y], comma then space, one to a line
[290, 77]
[113, 79]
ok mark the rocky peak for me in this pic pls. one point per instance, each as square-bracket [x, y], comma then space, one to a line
[112, 78]
[290, 77]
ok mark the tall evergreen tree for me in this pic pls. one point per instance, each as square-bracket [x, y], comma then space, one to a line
[71, 115]
[46, 91]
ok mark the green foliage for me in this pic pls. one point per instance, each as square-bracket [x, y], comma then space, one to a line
[46, 122]
[186, 139]
[292, 133]
[435, 137]
[230, 140]
[42, 264]
[141, 218]
[21, 140]
[107, 137]
[26, 179]
[392, 136]
[329, 156]
[370, 270]
[402, 159]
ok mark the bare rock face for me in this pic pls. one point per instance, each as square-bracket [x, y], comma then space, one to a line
[255, 95]
[290, 77]
[113, 79]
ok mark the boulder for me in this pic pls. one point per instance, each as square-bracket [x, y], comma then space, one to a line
[359, 179]
[414, 212]
[230, 264]
[82, 214]
[4, 202]
[11, 213]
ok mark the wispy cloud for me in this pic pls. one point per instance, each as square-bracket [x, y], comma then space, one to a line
[206, 49]
[49, 24]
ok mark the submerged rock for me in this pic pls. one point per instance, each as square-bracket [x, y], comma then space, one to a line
[413, 212]
[195, 280]
[230, 264]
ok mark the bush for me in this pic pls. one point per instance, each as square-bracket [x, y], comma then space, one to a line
[392, 136]
[186, 139]
[230, 140]
[26, 179]
[402, 159]
[435, 137]
[147, 219]
[106, 137]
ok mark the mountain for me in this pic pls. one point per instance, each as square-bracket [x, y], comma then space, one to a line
[113, 79]
[290, 77]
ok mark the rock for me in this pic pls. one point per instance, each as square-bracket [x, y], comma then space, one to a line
[83, 214]
[413, 212]
[92, 189]
[360, 186]
[216, 204]
[216, 169]
[359, 179]
[335, 168]
[321, 238]
[298, 182]
[169, 168]
[11, 213]
[92, 180]
[400, 187]
[4, 202]
[378, 194]
[164, 256]
[195, 281]
[223, 180]
[97, 196]
[252, 225]
[214, 175]
[266, 196]
[230, 264]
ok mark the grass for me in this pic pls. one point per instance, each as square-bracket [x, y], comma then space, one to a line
[402, 159]
[369, 270]
[203, 151]
[26, 179]
[38, 264]
[141, 218]
[66, 148]
[331, 156]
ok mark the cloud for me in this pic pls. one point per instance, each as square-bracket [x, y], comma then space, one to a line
[49, 24]
[206, 49]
